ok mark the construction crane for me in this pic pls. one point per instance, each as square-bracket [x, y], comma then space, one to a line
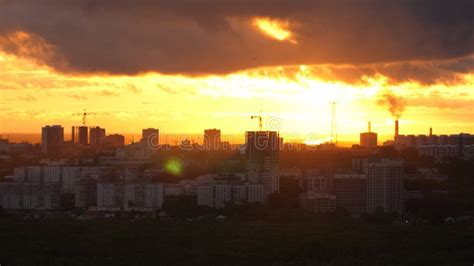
[84, 116]
[333, 123]
[259, 121]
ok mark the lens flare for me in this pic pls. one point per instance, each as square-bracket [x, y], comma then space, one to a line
[174, 166]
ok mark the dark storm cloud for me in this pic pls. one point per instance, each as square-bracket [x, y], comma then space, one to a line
[429, 72]
[217, 36]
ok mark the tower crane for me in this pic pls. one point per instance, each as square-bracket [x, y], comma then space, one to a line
[84, 116]
[259, 117]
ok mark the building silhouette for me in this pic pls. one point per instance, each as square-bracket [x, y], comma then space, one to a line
[385, 186]
[115, 140]
[351, 192]
[80, 135]
[52, 137]
[368, 139]
[150, 137]
[212, 139]
[97, 136]
[262, 159]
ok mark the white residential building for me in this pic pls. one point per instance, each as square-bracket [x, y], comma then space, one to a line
[205, 195]
[319, 183]
[94, 172]
[256, 193]
[173, 190]
[262, 159]
[153, 196]
[317, 202]
[218, 195]
[222, 195]
[30, 174]
[239, 193]
[34, 174]
[31, 196]
[385, 186]
[19, 174]
[189, 186]
[110, 196]
[70, 174]
[438, 152]
[129, 196]
[85, 192]
[52, 174]
[351, 192]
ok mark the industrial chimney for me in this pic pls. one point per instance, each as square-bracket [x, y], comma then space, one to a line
[369, 127]
[431, 132]
[396, 130]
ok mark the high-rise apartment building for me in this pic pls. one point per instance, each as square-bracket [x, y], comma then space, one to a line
[385, 186]
[97, 136]
[80, 135]
[212, 139]
[262, 159]
[52, 137]
[115, 140]
[150, 137]
[351, 193]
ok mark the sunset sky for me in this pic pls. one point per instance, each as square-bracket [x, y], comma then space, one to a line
[183, 66]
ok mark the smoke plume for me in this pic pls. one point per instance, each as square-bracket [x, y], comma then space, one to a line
[395, 104]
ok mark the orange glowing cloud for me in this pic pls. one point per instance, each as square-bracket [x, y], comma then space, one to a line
[275, 28]
[27, 45]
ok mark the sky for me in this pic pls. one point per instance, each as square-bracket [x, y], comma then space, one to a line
[184, 66]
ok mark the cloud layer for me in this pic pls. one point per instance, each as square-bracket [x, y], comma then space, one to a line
[218, 36]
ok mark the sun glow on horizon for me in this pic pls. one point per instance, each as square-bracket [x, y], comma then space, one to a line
[297, 95]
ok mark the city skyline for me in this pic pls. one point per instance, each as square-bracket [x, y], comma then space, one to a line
[261, 61]
[172, 138]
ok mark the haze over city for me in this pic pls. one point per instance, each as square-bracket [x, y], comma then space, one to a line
[236, 132]
[225, 61]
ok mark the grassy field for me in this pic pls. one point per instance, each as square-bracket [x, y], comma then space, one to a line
[55, 242]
